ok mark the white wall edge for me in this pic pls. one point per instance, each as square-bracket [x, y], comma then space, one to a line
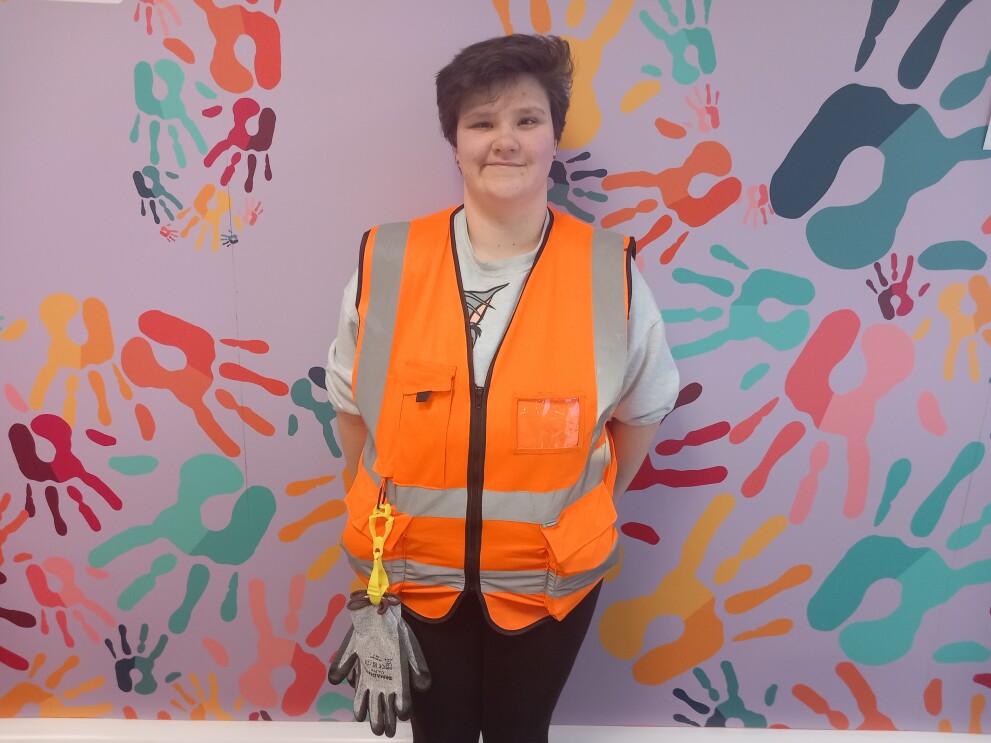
[50, 730]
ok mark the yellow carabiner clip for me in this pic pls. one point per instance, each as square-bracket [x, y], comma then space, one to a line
[378, 581]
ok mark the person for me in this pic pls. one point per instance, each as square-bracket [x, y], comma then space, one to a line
[499, 372]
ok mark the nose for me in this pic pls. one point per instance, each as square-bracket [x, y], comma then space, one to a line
[505, 139]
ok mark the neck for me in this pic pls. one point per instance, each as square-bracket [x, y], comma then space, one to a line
[504, 234]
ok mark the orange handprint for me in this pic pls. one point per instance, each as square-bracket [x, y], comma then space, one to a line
[584, 115]
[50, 702]
[681, 593]
[65, 355]
[965, 329]
[862, 692]
[210, 205]
[200, 706]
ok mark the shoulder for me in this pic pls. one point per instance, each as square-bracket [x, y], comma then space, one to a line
[566, 225]
[443, 216]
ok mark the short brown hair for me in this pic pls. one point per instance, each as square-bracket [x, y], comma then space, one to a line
[490, 65]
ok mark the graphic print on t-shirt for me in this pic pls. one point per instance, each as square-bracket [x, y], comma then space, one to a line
[478, 302]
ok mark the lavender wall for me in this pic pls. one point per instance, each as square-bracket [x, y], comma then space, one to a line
[806, 547]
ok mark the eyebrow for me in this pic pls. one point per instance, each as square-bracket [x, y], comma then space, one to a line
[484, 109]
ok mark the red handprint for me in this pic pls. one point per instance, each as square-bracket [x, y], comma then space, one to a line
[68, 594]
[244, 110]
[190, 384]
[228, 24]
[168, 232]
[707, 157]
[64, 468]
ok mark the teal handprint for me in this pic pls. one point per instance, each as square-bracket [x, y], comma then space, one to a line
[563, 189]
[965, 88]
[201, 478]
[324, 413]
[744, 318]
[927, 581]
[168, 109]
[684, 35]
[135, 660]
[731, 708]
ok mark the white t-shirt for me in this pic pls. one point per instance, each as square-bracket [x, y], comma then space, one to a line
[492, 289]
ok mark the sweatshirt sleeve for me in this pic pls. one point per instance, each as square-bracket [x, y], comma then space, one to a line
[340, 358]
[651, 383]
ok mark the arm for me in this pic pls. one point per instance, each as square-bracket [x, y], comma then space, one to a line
[631, 446]
[353, 433]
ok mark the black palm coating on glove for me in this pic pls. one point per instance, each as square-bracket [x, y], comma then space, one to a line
[381, 659]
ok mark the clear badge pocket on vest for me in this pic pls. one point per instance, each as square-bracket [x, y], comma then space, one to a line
[424, 418]
[548, 424]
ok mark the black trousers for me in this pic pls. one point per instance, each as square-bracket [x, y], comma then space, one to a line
[483, 681]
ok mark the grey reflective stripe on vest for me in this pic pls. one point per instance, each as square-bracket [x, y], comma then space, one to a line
[415, 572]
[544, 582]
[388, 254]
[524, 506]
[608, 291]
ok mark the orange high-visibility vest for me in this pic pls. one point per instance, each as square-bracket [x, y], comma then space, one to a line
[505, 490]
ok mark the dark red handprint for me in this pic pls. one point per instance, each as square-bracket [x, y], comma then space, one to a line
[64, 468]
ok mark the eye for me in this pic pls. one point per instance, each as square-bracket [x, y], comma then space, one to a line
[480, 125]
[528, 121]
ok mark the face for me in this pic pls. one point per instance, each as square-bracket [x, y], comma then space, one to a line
[505, 146]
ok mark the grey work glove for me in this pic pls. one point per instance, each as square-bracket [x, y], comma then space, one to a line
[380, 657]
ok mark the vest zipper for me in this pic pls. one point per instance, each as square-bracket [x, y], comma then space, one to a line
[476, 480]
[477, 426]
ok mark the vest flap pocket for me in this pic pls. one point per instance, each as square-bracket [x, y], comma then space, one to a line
[424, 377]
[582, 537]
[426, 390]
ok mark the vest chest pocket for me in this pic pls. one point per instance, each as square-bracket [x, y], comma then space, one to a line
[424, 419]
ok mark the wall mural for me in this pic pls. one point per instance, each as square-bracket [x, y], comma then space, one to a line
[807, 544]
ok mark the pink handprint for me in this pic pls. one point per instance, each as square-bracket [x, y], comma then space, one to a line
[707, 110]
[252, 210]
[158, 8]
[280, 652]
[758, 204]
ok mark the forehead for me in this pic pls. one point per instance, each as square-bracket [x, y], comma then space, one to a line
[521, 92]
